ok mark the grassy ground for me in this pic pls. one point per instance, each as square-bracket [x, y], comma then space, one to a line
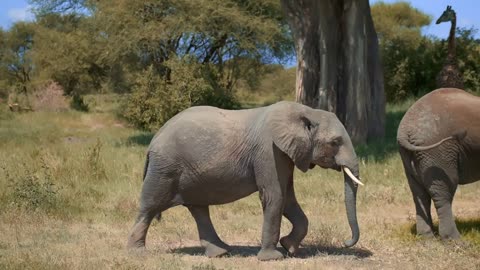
[69, 188]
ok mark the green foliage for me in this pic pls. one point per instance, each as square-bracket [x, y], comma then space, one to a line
[15, 59]
[399, 21]
[275, 83]
[33, 191]
[154, 100]
[468, 55]
[110, 46]
[399, 30]
[411, 61]
[67, 50]
[78, 103]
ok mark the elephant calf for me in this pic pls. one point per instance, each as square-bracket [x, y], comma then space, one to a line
[439, 141]
[208, 156]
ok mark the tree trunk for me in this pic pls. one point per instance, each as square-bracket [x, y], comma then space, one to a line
[338, 64]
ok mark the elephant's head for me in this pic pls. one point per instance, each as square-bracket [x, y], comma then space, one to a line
[315, 137]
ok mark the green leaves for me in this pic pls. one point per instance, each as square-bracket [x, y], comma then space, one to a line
[411, 61]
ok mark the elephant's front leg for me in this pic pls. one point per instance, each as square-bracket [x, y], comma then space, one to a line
[273, 204]
[214, 247]
[299, 221]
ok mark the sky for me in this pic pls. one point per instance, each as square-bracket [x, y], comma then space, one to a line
[467, 13]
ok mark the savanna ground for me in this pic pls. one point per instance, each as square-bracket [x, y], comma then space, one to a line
[70, 184]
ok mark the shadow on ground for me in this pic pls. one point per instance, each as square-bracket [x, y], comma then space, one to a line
[306, 251]
[380, 150]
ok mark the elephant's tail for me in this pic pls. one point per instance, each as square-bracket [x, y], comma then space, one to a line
[403, 141]
[145, 168]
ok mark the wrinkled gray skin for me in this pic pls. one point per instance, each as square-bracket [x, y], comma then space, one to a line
[439, 141]
[208, 156]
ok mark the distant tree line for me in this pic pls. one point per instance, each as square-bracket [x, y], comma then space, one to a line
[166, 55]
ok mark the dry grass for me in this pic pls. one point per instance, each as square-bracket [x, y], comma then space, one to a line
[95, 165]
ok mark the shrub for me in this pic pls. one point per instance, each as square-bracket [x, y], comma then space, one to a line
[33, 191]
[78, 103]
[155, 99]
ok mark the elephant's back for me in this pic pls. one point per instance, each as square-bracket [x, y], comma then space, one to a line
[202, 127]
[439, 114]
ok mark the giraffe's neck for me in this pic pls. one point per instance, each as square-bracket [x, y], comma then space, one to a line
[451, 40]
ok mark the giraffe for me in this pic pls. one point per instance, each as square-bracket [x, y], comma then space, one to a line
[450, 76]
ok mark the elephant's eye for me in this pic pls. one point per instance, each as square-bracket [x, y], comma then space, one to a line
[336, 142]
[308, 124]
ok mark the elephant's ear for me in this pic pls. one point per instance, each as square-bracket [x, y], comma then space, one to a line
[290, 130]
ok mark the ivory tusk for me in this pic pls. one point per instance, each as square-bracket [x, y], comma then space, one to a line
[350, 174]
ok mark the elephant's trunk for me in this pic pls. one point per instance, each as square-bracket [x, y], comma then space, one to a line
[351, 207]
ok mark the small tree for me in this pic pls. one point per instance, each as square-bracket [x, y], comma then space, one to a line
[15, 58]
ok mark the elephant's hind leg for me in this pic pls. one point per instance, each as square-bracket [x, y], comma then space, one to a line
[442, 190]
[138, 234]
[157, 195]
[420, 194]
[423, 203]
[214, 247]
[299, 221]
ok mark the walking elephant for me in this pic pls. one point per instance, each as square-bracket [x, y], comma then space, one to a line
[439, 142]
[208, 156]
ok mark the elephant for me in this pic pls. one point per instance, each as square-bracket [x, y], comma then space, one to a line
[439, 144]
[209, 156]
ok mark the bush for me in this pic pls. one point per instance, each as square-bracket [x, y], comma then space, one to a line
[33, 191]
[78, 103]
[155, 99]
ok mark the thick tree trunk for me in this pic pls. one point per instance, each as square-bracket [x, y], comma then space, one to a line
[338, 66]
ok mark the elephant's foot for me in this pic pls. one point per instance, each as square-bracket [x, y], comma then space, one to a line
[450, 235]
[135, 245]
[289, 245]
[217, 249]
[136, 239]
[269, 255]
[424, 229]
[426, 235]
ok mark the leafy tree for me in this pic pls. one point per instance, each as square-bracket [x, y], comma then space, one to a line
[468, 55]
[224, 41]
[401, 43]
[411, 60]
[211, 31]
[15, 59]
[110, 45]
[67, 50]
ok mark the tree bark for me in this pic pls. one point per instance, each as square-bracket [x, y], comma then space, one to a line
[338, 64]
